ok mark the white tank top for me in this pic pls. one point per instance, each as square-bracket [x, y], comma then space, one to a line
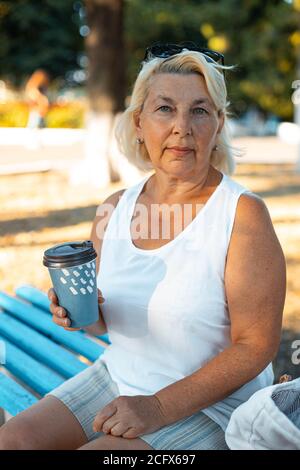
[165, 309]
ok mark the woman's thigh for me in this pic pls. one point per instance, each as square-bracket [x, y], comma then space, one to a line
[86, 394]
[110, 442]
[196, 432]
[47, 425]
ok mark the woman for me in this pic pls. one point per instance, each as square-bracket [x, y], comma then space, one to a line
[36, 93]
[194, 315]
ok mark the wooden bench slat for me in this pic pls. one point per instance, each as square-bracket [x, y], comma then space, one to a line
[35, 318]
[40, 299]
[35, 296]
[13, 397]
[40, 347]
[38, 376]
[33, 349]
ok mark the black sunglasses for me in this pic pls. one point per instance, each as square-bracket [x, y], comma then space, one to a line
[165, 50]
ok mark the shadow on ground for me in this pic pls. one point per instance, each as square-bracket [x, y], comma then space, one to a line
[52, 219]
[278, 191]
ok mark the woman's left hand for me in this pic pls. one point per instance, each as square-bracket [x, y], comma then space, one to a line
[130, 417]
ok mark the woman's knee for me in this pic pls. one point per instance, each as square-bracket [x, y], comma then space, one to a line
[16, 436]
[46, 425]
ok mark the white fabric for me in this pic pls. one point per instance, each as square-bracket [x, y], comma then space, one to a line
[165, 308]
[269, 420]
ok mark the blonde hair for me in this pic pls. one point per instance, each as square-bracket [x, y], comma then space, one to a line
[186, 62]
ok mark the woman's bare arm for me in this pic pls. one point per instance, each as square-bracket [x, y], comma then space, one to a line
[255, 283]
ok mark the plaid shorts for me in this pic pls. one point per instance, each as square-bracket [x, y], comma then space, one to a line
[89, 391]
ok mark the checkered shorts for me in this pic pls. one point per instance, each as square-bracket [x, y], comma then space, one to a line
[89, 391]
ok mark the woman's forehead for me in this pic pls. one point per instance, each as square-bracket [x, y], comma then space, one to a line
[176, 87]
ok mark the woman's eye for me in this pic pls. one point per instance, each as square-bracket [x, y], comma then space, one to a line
[199, 111]
[164, 108]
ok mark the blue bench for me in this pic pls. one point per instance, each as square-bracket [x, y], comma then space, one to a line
[39, 355]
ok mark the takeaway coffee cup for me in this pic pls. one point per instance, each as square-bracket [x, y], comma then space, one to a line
[72, 268]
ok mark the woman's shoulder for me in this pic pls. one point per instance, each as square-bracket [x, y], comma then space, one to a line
[252, 213]
[251, 210]
[233, 187]
[106, 208]
[103, 214]
[114, 198]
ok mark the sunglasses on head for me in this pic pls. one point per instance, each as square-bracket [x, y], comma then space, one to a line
[164, 50]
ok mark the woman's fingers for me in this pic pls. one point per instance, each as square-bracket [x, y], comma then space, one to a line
[55, 308]
[64, 322]
[57, 311]
[52, 295]
[59, 315]
[101, 299]
[60, 319]
[72, 329]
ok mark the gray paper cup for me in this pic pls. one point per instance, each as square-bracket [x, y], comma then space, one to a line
[72, 268]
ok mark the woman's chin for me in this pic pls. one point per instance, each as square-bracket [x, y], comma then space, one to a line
[179, 168]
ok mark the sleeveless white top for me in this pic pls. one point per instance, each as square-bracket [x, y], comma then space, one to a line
[165, 309]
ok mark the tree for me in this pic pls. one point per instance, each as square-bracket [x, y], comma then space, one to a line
[105, 51]
[106, 91]
[35, 34]
[260, 37]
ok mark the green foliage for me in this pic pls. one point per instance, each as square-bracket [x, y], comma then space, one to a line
[262, 38]
[38, 34]
[254, 35]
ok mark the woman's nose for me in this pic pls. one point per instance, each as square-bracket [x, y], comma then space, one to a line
[182, 124]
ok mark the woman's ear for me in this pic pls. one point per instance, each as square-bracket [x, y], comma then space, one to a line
[137, 120]
[221, 118]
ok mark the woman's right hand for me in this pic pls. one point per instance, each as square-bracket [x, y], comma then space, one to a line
[59, 314]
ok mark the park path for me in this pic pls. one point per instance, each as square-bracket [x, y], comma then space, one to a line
[60, 149]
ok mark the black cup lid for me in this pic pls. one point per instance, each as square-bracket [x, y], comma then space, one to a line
[69, 254]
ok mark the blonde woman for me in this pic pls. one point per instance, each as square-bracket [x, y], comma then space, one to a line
[191, 280]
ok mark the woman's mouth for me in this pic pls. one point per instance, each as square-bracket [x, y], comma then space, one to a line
[180, 150]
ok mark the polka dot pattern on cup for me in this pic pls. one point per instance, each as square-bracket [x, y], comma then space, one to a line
[80, 279]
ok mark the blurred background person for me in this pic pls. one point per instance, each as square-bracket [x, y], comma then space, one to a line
[36, 96]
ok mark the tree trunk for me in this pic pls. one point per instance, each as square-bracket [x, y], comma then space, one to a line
[106, 87]
[105, 51]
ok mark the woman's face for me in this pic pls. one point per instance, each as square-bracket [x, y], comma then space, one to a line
[178, 112]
